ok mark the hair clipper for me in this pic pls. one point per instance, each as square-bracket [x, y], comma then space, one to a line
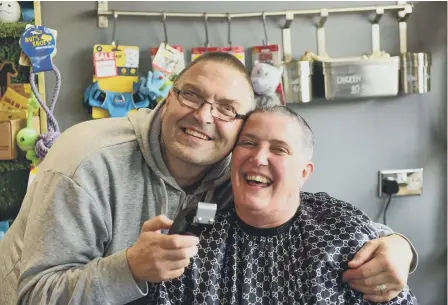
[191, 220]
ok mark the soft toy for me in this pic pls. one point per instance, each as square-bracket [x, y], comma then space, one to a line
[9, 11]
[27, 137]
[156, 85]
[265, 80]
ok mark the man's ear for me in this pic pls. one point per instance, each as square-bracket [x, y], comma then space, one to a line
[168, 99]
[169, 96]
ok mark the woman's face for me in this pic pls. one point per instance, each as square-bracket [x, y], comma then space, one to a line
[268, 166]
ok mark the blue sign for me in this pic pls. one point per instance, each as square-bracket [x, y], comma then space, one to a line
[38, 44]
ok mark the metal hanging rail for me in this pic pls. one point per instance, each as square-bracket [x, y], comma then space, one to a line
[103, 12]
[402, 8]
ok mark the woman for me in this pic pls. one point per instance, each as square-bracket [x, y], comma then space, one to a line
[276, 244]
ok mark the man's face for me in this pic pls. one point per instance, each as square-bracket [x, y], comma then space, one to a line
[195, 136]
[268, 164]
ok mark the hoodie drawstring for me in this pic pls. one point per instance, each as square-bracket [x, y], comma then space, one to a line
[164, 198]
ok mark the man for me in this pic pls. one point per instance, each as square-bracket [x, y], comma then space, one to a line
[275, 244]
[87, 232]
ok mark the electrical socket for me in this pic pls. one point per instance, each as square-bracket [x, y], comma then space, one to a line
[410, 181]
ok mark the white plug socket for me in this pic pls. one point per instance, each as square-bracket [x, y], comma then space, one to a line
[410, 181]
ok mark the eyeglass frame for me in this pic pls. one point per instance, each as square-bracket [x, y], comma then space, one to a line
[179, 98]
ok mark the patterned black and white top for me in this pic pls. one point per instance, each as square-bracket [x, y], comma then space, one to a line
[300, 262]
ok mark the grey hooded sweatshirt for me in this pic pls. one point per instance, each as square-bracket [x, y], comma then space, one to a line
[97, 186]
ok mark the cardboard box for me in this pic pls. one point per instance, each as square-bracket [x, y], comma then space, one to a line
[8, 132]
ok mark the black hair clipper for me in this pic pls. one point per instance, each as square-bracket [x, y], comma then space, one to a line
[191, 220]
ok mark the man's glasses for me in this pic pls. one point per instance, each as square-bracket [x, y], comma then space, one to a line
[220, 111]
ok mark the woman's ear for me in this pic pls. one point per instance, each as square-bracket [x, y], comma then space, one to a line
[307, 171]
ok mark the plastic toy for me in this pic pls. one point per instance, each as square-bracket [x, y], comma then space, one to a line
[9, 11]
[117, 104]
[156, 85]
[38, 45]
[265, 80]
[27, 137]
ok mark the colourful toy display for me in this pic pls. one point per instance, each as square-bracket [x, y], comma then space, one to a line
[114, 89]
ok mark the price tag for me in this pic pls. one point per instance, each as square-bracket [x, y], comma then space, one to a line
[166, 59]
[181, 59]
[105, 64]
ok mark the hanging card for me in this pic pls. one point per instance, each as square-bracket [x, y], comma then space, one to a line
[267, 54]
[166, 59]
[38, 44]
[236, 51]
[180, 60]
[196, 52]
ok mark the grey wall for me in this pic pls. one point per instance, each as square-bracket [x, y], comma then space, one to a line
[354, 139]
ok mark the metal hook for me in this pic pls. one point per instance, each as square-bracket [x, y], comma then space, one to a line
[404, 14]
[265, 42]
[378, 16]
[376, 30]
[323, 18]
[289, 19]
[164, 28]
[114, 31]
[321, 32]
[206, 32]
[403, 27]
[229, 19]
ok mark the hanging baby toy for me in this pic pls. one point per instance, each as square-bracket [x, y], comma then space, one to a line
[39, 45]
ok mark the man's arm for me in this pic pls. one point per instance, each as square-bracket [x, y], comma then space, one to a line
[383, 261]
[385, 231]
[65, 240]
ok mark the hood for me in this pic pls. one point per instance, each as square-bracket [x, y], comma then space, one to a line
[147, 125]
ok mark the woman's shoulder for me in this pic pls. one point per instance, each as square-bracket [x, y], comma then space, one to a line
[338, 216]
[323, 205]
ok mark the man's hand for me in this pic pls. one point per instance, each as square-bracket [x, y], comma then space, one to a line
[157, 257]
[380, 269]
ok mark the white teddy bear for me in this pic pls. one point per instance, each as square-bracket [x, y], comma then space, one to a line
[265, 80]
